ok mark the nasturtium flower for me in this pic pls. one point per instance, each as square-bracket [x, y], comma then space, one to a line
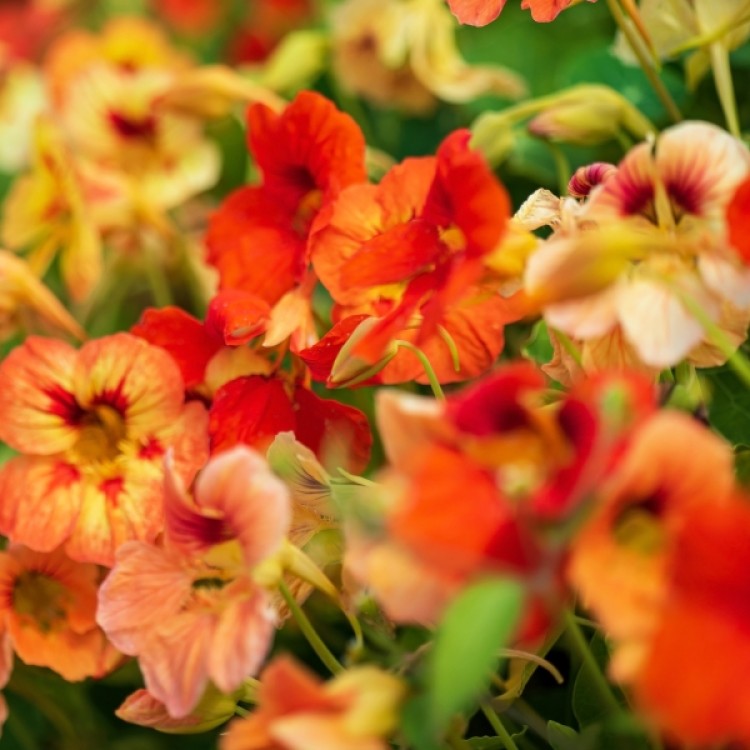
[92, 426]
[408, 253]
[48, 607]
[356, 710]
[622, 559]
[649, 244]
[482, 12]
[196, 609]
[306, 155]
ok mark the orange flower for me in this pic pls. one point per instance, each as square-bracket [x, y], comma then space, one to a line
[193, 610]
[306, 155]
[528, 464]
[482, 12]
[408, 252]
[623, 558]
[47, 607]
[354, 711]
[692, 678]
[94, 426]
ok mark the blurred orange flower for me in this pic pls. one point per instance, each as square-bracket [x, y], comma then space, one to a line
[47, 607]
[354, 711]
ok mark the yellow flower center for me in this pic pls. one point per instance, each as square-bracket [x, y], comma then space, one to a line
[101, 431]
[41, 599]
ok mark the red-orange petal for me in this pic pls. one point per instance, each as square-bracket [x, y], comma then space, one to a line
[738, 221]
[235, 316]
[38, 409]
[250, 410]
[183, 336]
[334, 431]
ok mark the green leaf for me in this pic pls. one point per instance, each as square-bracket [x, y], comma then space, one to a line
[587, 706]
[539, 347]
[415, 724]
[464, 655]
[561, 737]
[729, 408]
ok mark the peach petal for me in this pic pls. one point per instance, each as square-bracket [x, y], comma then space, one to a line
[319, 732]
[38, 410]
[146, 587]
[657, 325]
[242, 637]
[175, 661]
[701, 166]
[40, 501]
[254, 503]
[590, 317]
[140, 380]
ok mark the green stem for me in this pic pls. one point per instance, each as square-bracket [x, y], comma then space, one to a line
[307, 629]
[497, 725]
[646, 64]
[426, 365]
[589, 665]
[241, 711]
[725, 86]
[452, 348]
[562, 167]
[735, 359]
[156, 278]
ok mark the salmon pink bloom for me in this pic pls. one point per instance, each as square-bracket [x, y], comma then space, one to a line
[213, 709]
[651, 243]
[93, 426]
[356, 710]
[47, 608]
[482, 12]
[195, 609]
[408, 253]
[306, 155]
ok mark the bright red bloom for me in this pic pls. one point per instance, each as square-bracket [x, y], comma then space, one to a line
[233, 318]
[482, 12]
[738, 221]
[306, 154]
[94, 426]
[253, 410]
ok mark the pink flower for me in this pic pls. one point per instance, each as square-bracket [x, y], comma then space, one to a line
[193, 610]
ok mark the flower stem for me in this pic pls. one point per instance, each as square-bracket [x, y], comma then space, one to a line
[646, 64]
[311, 635]
[426, 365]
[735, 359]
[594, 674]
[497, 725]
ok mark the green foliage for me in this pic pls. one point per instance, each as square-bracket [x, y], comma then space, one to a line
[478, 623]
